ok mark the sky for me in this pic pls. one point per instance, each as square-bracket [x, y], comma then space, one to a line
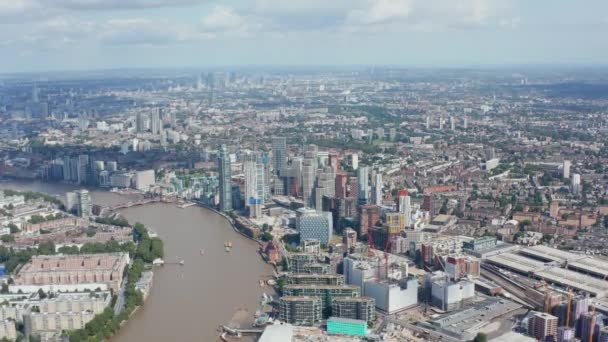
[50, 35]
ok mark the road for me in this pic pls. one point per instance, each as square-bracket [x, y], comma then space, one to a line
[120, 297]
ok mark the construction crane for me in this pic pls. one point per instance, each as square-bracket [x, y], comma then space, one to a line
[548, 301]
[592, 325]
[568, 307]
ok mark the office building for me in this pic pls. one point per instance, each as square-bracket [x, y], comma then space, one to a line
[279, 154]
[590, 325]
[392, 296]
[300, 310]
[576, 183]
[314, 225]
[308, 180]
[156, 125]
[565, 334]
[140, 123]
[362, 308]
[82, 168]
[78, 202]
[144, 180]
[225, 185]
[377, 189]
[71, 202]
[449, 295]
[363, 185]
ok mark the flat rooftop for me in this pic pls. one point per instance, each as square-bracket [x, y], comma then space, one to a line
[594, 266]
[550, 254]
[594, 286]
[517, 262]
[84, 262]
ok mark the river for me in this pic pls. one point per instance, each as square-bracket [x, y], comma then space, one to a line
[189, 302]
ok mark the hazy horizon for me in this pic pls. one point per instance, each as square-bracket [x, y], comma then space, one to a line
[57, 35]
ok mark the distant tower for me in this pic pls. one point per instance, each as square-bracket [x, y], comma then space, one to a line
[441, 123]
[576, 183]
[566, 169]
[428, 122]
[223, 162]
[35, 93]
[155, 122]
[140, 125]
[279, 153]
[362, 184]
[452, 123]
[465, 123]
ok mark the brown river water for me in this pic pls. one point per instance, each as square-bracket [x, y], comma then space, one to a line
[189, 302]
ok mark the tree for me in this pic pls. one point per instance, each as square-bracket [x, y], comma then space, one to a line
[41, 294]
[7, 238]
[13, 227]
[481, 337]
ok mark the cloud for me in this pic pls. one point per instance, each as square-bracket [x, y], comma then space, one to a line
[223, 18]
[141, 31]
[117, 4]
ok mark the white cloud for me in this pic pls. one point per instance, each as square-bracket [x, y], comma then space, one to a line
[141, 31]
[116, 4]
[223, 18]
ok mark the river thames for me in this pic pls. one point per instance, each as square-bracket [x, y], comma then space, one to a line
[189, 302]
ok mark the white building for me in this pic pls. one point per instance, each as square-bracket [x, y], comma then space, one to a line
[576, 183]
[144, 180]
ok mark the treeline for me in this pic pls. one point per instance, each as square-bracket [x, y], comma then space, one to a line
[116, 221]
[31, 195]
[104, 325]
[12, 257]
[35, 219]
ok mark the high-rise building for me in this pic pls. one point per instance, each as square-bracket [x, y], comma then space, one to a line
[309, 168]
[83, 209]
[314, 225]
[428, 122]
[71, 202]
[340, 184]
[566, 169]
[405, 206]
[542, 326]
[144, 180]
[377, 194]
[363, 184]
[83, 168]
[576, 183]
[300, 310]
[327, 293]
[465, 122]
[156, 124]
[590, 325]
[279, 154]
[368, 216]
[140, 123]
[363, 308]
[225, 187]
[349, 238]
[452, 123]
[354, 161]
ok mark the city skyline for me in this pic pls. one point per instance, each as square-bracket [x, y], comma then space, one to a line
[93, 34]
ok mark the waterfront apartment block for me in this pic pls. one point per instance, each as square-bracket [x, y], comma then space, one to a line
[316, 268]
[49, 325]
[315, 279]
[361, 308]
[298, 260]
[7, 329]
[74, 269]
[300, 310]
[327, 293]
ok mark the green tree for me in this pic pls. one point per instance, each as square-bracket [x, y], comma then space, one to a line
[481, 337]
[7, 238]
[13, 227]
